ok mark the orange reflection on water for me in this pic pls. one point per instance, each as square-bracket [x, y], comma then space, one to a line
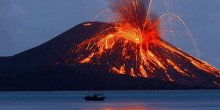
[126, 108]
[121, 108]
[118, 106]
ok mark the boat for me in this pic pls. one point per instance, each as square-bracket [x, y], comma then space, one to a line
[95, 97]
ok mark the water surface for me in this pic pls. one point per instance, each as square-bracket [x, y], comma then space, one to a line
[116, 100]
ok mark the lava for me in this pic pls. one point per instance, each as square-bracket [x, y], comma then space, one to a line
[133, 45]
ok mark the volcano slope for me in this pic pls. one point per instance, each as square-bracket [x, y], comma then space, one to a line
[70, 62]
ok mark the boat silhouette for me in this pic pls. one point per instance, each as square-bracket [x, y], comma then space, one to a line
[95, 97]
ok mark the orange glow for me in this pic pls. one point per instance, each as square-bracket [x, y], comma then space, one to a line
[155, 60]
[133, 108]
[143, 72]
[120, 71]
[132, 72]
[87, 60]
[124, 106]
[176, 67]
[169, 78]
[87, 24]
[129, 33]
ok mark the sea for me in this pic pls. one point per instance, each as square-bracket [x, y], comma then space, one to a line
[115, 100]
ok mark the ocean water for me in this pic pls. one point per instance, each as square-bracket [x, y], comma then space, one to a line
[116, 100]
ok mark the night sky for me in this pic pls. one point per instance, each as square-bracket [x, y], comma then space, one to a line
[25, 24]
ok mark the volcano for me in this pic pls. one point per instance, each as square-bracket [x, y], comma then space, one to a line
[161, 60]
[124, 55]
[59, 65]
[134, 46]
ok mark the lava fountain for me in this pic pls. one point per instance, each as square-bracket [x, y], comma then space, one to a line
[133, 45]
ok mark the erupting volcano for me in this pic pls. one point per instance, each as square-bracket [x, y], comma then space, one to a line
[127, 54]
[134, 46]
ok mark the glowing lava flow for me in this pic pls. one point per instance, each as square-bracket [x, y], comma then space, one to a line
[133, 34]
[133, 46]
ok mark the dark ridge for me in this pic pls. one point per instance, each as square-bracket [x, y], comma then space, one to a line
[54, 50]
[65, 78]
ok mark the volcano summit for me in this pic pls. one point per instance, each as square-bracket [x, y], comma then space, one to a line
[128, 54]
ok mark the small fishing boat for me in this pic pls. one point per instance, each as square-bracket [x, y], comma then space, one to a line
[95, 97]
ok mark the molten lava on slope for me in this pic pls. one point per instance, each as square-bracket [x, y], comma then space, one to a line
[134, 46]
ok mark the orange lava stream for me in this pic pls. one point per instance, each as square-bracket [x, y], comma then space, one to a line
[128, 44]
